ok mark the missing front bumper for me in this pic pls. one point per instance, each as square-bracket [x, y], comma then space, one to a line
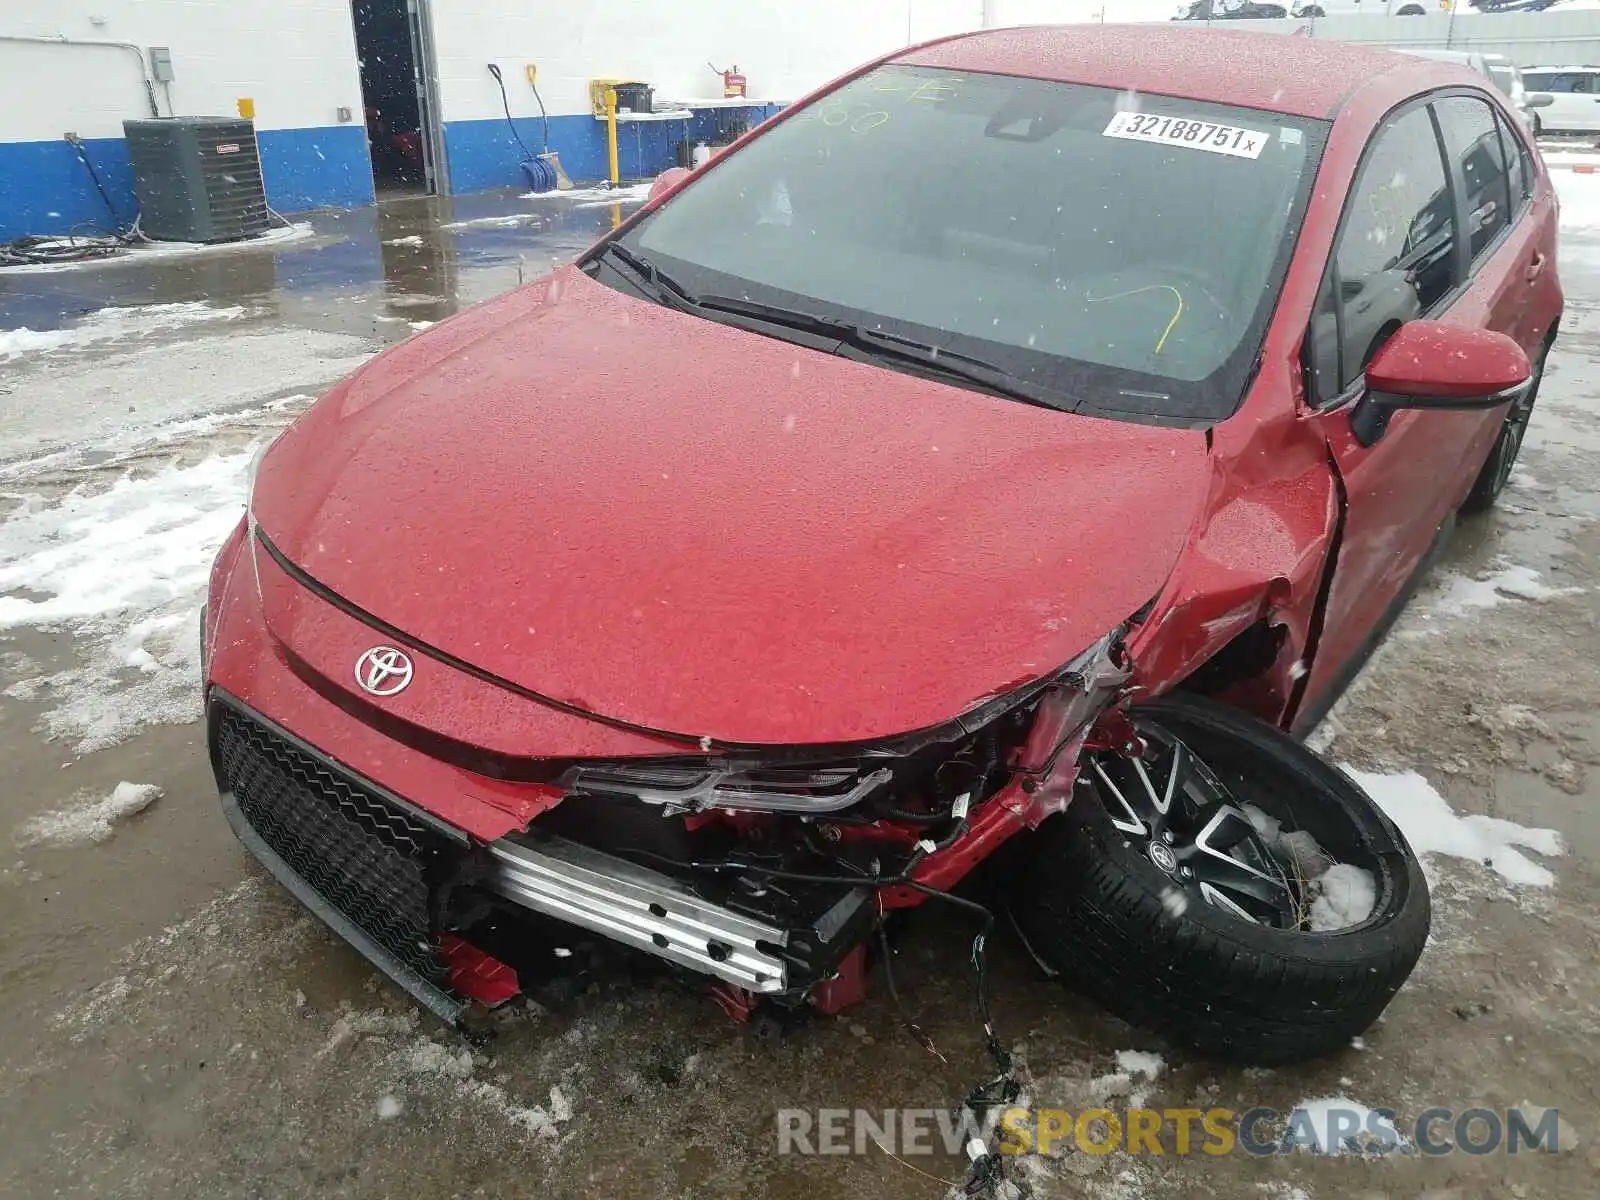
[640, 908]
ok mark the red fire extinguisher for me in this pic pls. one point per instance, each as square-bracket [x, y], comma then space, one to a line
[733, 83]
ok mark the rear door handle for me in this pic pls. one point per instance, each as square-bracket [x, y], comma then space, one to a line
[1535, 265]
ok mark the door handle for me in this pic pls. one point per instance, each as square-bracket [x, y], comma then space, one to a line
[1535, 265]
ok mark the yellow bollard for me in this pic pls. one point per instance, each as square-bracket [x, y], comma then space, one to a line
[611, 134]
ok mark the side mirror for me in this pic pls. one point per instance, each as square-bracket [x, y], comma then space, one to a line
[1430, 364]
[1538, 100]
[665, 182]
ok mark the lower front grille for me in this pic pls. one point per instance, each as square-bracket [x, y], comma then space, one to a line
[364, 856]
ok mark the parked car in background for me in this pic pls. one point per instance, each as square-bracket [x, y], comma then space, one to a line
[1575, 98]
[1381, 8]
[1496, 68]
[1230, 10]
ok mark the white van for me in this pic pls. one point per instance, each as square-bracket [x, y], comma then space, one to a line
[1575, 98]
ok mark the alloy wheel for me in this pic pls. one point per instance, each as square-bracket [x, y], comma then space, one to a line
[1170, 804]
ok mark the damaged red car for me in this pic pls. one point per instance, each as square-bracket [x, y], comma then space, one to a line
[1004, 456]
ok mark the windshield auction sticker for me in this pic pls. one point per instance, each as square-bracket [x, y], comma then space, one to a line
[1188, 133]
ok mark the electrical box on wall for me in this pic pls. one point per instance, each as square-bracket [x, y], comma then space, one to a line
[161, 63]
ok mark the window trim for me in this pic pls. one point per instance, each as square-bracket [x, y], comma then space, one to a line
[1454, 168]
[1466, 265]
[1330, 272]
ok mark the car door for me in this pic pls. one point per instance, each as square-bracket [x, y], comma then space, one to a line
[1400, 255]
[1585, 101]
[1576, 104]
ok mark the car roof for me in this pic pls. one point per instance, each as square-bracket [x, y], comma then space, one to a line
[1300, 76]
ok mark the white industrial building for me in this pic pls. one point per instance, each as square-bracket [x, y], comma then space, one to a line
[351, 98]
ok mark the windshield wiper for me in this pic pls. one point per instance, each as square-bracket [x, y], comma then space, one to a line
[877, 344]
[665, 289]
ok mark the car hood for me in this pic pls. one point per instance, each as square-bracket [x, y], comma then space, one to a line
[702, 530]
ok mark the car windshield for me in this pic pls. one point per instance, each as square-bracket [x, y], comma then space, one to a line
[1121, 252]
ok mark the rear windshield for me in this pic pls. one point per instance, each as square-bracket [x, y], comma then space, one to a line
[1122, 250]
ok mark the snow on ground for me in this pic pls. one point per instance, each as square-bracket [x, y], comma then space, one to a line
[1433, 827]
[505, 222]
[1580, 208]
[1325, 1111]
[132, 443]
[1140, 1062]
[125, 568]
[110, 324]
[88, 820]
[427, 1062]
[414, 240]
[275, 237]
[591, 195]
[1453, 594]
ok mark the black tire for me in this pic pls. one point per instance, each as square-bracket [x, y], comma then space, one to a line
[1411, 10]
[1313, 11]
[1496, 470]
[1093, 905]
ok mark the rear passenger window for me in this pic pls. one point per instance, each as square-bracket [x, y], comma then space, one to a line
[1473, 140]
[1396, 253]
[1519, 163]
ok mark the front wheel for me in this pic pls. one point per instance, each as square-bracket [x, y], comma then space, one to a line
[1496, 471]
[1226, 888]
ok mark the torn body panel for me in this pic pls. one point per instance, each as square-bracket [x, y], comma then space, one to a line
[1257, 561]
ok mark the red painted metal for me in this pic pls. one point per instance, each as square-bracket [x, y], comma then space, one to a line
[477, 975]
[734, 1001]
[712, 534]
[848, 985]
[646, 541]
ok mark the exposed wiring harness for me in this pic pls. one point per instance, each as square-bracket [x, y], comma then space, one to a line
[986, 1170]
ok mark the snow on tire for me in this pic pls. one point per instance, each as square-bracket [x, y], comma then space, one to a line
[1229, 889]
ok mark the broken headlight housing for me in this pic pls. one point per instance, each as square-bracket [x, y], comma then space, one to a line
[908, 777]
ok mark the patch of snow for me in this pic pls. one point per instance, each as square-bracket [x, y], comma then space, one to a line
[1346, 896]
[1341, 894]
[389, 1107]
[110, 324]
[589, 196]
[1457, 594]
[419, 326]
[88, 820]
[427, 1058]
[1140, 1062]
[1433, 827]
[1321, 1111]
[506, 222]
[124, 568]
[414, 240]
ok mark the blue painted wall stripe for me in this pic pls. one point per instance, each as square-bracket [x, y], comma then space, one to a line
[483, 154]
[44, 188]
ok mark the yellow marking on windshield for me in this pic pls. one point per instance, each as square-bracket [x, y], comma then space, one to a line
[1154, 287]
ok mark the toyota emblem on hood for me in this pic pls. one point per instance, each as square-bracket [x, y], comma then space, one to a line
[383, 671]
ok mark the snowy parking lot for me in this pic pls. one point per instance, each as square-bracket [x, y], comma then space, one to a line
[177, 1025]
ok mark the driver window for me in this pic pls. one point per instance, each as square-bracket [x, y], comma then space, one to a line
[1395, 258]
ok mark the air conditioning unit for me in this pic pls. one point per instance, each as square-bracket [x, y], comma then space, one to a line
[197, 179]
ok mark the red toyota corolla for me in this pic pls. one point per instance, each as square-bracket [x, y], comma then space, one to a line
[1001, 455]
